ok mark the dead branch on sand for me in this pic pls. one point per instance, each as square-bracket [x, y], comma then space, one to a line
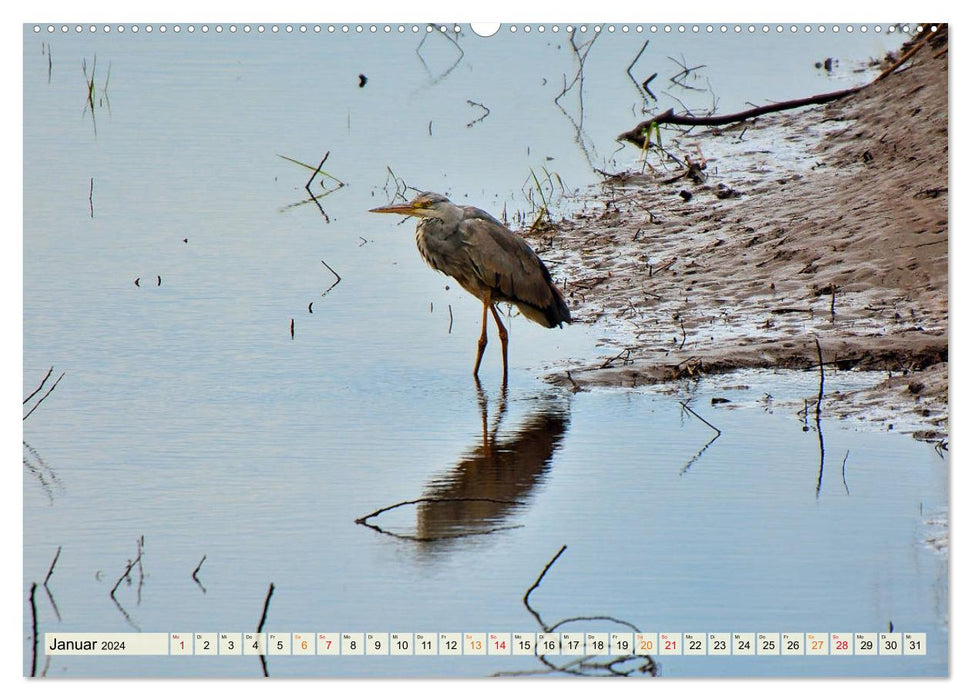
[640, 134]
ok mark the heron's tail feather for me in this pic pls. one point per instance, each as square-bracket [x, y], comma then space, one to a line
[556, 314]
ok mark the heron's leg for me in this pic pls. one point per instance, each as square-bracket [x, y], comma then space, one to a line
[483, 339]
[504, 340]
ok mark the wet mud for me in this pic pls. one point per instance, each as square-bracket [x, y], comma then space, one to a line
[826, 223]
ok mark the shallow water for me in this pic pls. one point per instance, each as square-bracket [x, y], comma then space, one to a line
[190, 416]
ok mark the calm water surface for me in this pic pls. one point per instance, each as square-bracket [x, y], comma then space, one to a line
[189, 416]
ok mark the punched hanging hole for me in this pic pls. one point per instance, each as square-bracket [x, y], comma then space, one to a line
[485, 29]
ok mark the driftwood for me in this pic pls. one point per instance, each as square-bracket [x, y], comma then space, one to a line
[640, 134]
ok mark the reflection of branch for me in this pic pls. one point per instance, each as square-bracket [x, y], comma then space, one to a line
[685, 71]
[39, 470]
[698, 454]
[443, 31]
[315, 199]
[640, 88]
[822, 378]
[420, 538]
[647, 89]
[480, 118]
[581, 52]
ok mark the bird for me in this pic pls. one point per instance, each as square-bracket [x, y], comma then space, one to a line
[488, 260]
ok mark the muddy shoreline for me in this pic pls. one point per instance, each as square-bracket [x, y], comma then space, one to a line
[826, 223]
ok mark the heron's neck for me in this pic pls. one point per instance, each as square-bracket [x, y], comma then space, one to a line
[450, 216]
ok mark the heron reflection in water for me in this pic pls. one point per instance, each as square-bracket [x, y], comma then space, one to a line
[490, 262]
[492, 480]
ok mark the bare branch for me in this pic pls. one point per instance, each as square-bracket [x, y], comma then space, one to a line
[41, 385]
[53, 386]
[536, 585]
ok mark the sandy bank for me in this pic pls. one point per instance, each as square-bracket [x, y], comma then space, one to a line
[826, 223]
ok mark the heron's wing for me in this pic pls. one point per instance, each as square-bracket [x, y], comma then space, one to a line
[472, 213]
[505, 263]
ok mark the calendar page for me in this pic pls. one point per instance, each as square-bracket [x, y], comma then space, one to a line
[450, 350]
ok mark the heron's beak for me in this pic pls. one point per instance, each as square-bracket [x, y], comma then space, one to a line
[406, 209]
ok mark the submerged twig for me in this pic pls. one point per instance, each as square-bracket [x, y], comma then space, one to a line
[266, 605]
[641, 88]
[685, 71]
[259, 629]
[40, 386]
[33, 622]
[688, 408]
[196, 571]
[46, 48]
[50, 571]
[316, 171]
[535, 585]
[333, 272]
[400, 186]
[137, 561]
[647, 89]
[131, 565]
